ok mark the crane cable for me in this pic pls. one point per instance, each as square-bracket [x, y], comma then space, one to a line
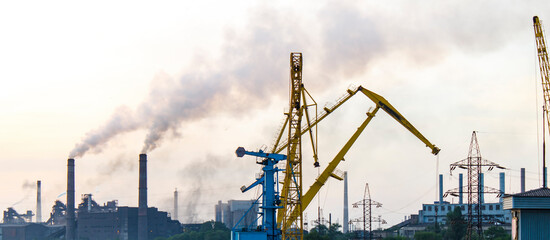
[537, 104]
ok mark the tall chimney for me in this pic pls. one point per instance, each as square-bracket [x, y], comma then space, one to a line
[142, 207]
[460, 191]
[481, 188]
[440, 188]
[545, 177]
[522, 176]
[501, 180]
[176, 204]
[346, 217]
[70, 227]
[38, 201]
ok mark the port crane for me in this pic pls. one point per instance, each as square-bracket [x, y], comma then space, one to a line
[270, 197]
[293, 199]
[381, 103]
[545, 77]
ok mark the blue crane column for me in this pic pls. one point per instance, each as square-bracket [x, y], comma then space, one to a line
[270, 198]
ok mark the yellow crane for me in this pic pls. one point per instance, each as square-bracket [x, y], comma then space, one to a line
[293, 200]
[545, 75]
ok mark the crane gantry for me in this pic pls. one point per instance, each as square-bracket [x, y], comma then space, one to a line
[545, 77]
[294, 200]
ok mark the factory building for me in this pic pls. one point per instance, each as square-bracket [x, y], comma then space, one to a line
[531, 213]
[492, 213]
[232, 212]
[122, 224]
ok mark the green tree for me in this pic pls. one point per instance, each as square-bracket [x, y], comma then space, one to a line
[496, 233]
[427, 236]
[396, 238]
[456, 226]
[321, 232]
[208, 231]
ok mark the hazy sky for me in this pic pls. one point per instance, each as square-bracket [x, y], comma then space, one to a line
[190, 81]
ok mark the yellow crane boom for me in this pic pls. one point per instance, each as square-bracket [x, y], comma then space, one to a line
[545, 77]
[381, 103]
[543, 64]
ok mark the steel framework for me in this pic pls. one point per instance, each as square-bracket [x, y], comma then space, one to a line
[474, 164]
[367, 204]
[292, 191]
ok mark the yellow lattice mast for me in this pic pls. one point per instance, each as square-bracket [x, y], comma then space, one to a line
[293, 199]
[544, 74]
[292, 186]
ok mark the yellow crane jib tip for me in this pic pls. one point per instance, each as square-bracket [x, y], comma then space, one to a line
[435, 150]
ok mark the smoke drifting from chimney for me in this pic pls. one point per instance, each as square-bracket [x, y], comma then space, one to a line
[142, 199]
[252, 65]
[123, 120]
[70, 227]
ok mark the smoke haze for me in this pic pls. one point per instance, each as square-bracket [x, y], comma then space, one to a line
[253, 66]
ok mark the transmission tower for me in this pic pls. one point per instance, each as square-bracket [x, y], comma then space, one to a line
[474, 164]
[367, 204]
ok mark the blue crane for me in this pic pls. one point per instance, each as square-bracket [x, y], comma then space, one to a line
[270, 197]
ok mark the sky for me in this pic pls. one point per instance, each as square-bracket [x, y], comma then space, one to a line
[188, 82]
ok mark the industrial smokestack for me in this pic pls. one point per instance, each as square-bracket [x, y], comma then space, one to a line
[460, 191]
[38, 201]
[545, 177]
[481, 188]
[440, 188]
[346, 217]
[142, 207]
[176, 204]
[522, 176]
[70, 227]
[501, 180]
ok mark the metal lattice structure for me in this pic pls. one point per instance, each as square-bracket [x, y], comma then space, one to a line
[367, 204]
[292, 222]
[474, 164]
[293, 199]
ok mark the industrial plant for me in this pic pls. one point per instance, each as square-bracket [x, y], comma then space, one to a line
[91, 220]
[277, 211]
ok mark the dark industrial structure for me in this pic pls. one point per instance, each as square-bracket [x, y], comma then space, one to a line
[91, 221]
[112, 222]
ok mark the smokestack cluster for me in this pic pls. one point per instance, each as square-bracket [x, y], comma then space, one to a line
[142, 205]
[70, 227]
[38, 201]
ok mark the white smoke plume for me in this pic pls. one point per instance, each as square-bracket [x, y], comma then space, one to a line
[253, 66]
[29, 185]
[123, 120]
